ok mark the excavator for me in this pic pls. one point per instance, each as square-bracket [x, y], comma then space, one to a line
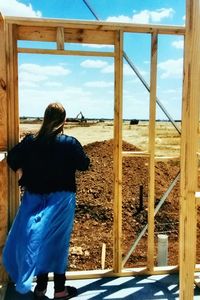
[78, 119]
[82, 118]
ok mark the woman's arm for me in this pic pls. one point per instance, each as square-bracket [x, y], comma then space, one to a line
[16, 155]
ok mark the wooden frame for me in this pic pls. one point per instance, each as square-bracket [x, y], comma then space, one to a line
[13, 29]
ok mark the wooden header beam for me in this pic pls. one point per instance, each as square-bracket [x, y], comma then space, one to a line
[70, 35]
[96, 25]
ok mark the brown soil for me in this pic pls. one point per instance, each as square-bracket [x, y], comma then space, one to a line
[94, 212]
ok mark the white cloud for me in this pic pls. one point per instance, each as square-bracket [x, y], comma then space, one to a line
[27, 84]
[108, 69]
[34, 101]
[127, 71]
[170, 91]
[145, 16]
[99, 84]
[16, 8]
[171, 68]
[97, 46]
[53, 84]
[31, 75]
[121, 18]
[178, 44]
[160, 14]
[96, 64]
[44, 70]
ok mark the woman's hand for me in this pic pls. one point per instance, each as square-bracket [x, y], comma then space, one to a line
[19, 173]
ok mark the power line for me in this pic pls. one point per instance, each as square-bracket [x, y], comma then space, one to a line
[90, 8]
[139, 75]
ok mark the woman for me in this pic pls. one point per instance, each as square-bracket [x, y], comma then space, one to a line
[38, 241]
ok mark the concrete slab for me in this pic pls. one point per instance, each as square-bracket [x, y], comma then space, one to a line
[158, 287]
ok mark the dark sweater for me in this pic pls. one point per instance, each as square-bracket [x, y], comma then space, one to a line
[48, 165]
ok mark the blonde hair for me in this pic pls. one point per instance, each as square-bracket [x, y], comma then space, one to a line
[53, 122]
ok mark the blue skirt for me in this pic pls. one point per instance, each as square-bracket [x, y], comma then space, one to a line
[38, 241]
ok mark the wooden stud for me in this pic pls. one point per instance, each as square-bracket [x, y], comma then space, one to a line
[3, 149]
[189, 147]
[3, 214]
[103, 256]
[117, 233]
[3, 89]
[13, 113]
[152, 119]
[60, 39]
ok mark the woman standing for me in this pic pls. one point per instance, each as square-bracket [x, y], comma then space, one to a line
[38, 241]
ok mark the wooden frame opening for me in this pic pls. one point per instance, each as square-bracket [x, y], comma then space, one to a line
[63, 31]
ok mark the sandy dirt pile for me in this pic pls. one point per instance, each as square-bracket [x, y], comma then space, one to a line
[94, 212]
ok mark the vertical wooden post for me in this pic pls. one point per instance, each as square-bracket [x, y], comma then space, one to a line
[3, 147]
[13, 112]
[60, 39]
[117, 232]
[3, 89]
[152, 118]
[189, 146]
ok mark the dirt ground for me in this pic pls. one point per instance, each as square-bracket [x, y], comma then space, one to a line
[93, 226]
[94, 213]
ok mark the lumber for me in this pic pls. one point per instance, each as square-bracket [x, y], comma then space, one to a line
[3, 87]
[152, 120]
[60, 39]
[189, 148]
[135, 154]
[13, 114]
[70, 35]
[103, 256]
[97, 25]
[64, 52]
[117, 159]
[3, 149]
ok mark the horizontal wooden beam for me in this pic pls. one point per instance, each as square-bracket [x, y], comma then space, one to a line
[96, 25]
[146, 154]
[70, 35]
[64, 52]
[125, 272]
[135, 154]
[162, 158]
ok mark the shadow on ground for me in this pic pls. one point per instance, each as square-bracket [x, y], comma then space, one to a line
[140, 287]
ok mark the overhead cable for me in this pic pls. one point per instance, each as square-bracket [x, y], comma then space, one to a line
[139, 76]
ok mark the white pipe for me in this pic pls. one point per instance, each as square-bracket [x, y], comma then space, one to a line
[162, 257]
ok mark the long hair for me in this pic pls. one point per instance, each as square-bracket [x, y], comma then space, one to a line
[53, 122]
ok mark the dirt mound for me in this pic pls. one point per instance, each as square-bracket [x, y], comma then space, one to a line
[94, 212]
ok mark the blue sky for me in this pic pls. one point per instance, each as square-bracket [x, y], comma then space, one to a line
[86, 83]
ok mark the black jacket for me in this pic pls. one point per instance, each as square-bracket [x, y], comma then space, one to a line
[48, 165]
